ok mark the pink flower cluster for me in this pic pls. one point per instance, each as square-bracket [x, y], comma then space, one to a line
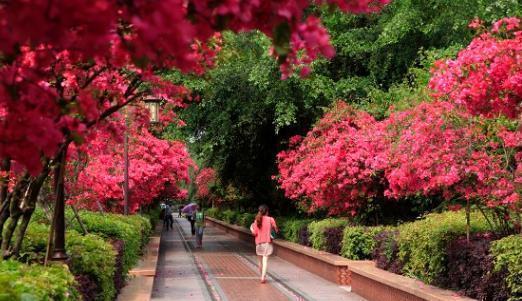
[205, 178]
[156, 168]
[431, 149]
[486, 77]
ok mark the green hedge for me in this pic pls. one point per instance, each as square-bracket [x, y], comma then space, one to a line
[111, 226]
[290, 228]
[245, 219]
[317, 228]
[358, 242]
[422, 243]
[230, 216]
[23, 282]
[140, 224]
[90, 255]
[507, 253]
[213, 212]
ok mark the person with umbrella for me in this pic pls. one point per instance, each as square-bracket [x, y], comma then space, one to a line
[190, 211]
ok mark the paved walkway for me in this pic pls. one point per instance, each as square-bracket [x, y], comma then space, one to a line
[226, 270]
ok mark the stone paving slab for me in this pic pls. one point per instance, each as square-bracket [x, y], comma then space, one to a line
[177, 276]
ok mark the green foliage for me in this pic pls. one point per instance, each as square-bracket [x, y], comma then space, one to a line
[139, 223]
[317, 228]
[507, 253]
[290, 228]
[91, 255]
[21, 282]
[230, 216]
[359, 242]
[246, 219]
[213, 212]
[422, 243]
[111, 226]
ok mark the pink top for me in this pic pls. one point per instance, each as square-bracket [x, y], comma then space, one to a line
[263, 235]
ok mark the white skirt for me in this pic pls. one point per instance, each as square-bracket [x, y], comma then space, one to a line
[264, 249]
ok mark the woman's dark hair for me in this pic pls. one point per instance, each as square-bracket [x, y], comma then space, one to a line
[262, 211]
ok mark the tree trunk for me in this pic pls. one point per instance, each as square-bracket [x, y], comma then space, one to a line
[4, 201]
[28, 208]
[14, 213]
[5, 166]
[468, 222]
[20, 232]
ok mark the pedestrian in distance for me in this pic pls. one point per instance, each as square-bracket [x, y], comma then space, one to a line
[192, 221]
[168, 220]
[180, 207]
[200, 226]
[264, 229]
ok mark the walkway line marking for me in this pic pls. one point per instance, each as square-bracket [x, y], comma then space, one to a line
[284, 287]
[204, 275]
[236, 277]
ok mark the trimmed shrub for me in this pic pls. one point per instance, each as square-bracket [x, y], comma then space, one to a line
[422, 244]
[334, 239]
[140, 224]
[470, 269]
[91, 255]
[386, 252]
[304, 236]
[317, 231]
[36, 282]
[119, 277]
[507, 254]
[245, 219]
[212, 212]
[111, 227]
[230, 216]
[358, 243]
[290, 228]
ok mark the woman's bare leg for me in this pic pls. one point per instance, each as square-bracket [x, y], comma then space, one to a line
[265, 267]
[260, 263]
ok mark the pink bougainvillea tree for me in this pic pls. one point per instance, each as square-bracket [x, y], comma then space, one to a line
[205, 178]
[334, 166]
[156, 168]
[486, 77]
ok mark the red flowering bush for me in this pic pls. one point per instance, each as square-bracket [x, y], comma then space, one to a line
[156, 167]
[205, 178]
[486, 77]
[334, 166]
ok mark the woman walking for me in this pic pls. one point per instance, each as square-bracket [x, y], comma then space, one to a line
[262, 228]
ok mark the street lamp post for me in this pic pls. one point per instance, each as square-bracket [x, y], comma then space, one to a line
[153, 104]
[126, 166]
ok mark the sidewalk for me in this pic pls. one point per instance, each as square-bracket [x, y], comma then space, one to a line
[226, 269]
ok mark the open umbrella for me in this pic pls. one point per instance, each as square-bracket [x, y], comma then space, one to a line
[189, 208]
